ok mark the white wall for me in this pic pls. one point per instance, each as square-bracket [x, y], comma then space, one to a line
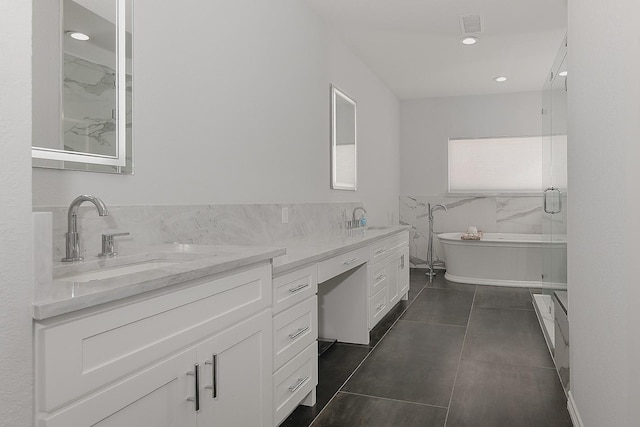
[16, 276]
[604, 154]
[378, 133]
[427, 124]
[231, 105]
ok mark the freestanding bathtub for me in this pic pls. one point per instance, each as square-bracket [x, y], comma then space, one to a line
[506, 259]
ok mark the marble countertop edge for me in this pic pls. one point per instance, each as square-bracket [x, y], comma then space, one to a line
[58, 300]
[301, 255]
[63, 297]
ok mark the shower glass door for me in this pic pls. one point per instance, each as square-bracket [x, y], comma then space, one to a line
[554, 198]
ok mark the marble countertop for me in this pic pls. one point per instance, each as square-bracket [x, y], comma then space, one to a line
[177, 263]
[306, 251]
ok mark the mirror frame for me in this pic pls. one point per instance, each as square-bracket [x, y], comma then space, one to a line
[335, 185]
[121, 100]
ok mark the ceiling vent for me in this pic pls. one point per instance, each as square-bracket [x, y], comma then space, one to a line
[470, 24]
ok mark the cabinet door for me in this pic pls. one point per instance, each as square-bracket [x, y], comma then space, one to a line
[236, 375]
[403, 272]
[393, 286]
[155, 397]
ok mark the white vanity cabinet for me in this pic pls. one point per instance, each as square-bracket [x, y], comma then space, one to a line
[134, 363]
[388, 276]
[295, 334]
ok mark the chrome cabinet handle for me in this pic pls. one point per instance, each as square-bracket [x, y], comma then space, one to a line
[380, 277]
[380, 251]
[351, 261]
[214, 375]
[299, 288]
[298, 384]
[195, 373]
[402, 262]
[299, 332]
[380, 307]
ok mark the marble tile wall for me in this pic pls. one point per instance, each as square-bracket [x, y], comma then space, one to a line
[250, 224]
[497, 214]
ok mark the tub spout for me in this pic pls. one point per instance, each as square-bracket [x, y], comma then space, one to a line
[435, 208]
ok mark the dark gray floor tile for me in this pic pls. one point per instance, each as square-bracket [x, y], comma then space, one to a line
[417, 282]
[503, 297]
[494, 395]
[385, 323]
[506, 336]
[442, 306]
[415, 362]
[334, 367]
[363, 411]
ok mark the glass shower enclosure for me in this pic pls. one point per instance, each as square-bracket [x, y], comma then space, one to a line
[554, 199]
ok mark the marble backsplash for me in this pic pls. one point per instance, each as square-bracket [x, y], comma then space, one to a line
[492, 214]
[247, 224]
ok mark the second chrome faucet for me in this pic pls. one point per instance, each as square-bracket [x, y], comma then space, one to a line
[72, 237]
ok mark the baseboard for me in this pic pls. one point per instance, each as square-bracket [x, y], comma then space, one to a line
[502, 282]
[573, 411]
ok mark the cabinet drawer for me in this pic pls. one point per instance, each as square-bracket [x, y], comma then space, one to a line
[294, 330]
[379, 250]
[294, 287]
[82, 354]
[378, 307]
[339, 264]
[399, 240]
[378, 277]
[294, 381]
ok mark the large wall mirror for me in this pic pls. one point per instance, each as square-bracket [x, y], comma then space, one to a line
[82, 85]
[343, 141]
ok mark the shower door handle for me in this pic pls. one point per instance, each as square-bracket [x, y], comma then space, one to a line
[546, 195]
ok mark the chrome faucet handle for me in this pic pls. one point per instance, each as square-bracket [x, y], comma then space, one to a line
[108, 244]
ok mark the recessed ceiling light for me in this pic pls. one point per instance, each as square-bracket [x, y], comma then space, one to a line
[500, 79]
[469, 40]
[563, 73]
[76, 35]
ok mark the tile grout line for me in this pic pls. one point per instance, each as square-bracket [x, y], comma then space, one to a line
[367, 356]
[455, 380]
[394, 400]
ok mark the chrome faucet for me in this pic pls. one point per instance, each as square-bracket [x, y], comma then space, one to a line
[72, 237]
[354, 223]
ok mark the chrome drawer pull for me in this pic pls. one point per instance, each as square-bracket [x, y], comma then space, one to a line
[301, 381]
[299, 288]
[298, 332]
[196, 399]
[351, 261]
[380, 251]
[214, 375]
[380, 277]
[380, 307]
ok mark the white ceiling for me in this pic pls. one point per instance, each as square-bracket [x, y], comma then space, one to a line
[413, 45]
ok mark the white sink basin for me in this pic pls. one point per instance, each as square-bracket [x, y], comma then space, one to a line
[107, 273]
[121, 266]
